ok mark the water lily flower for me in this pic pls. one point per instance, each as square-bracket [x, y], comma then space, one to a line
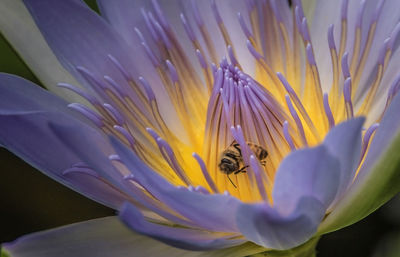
[220, 128]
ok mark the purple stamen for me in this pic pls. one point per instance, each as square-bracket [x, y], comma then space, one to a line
[383, 51]
[114, 113]
[139, 34]
[299, 7]
[367, 138]
[80, 92]
[169, 155]
[297, 120]
[119, 66]
[188, 28]
[82, 170]
[215, 11]
[345, 66]
[232, 56]
[343, 10]
[91, 115]
[147, 89]
[328, 111]
[250, 5]
[378, 10]
[150, 26]
[151, 55]
[115, 157]
[253, 51]
[226, 106]
[244, 27]
[287, 136]
[80, 165]
[161, 31]
[360, 14]
[160, 15]
[89, 76]
[115, 87]
[258, 171]
[310, 55]
[275, 10]
[331, 39]
[393, 36]
[196, 14]
[201, 59]
[201, 190]
[347, 97]
[172, 72]
[298, 18]
[214, 69]
[205, 172]
[298, 103]
[304, 29]
[131, 177]
[394, 88]
[126, 135]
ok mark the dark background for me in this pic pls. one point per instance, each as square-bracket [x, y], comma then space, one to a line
[30, 201]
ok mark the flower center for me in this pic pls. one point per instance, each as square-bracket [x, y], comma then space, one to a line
[221, 114]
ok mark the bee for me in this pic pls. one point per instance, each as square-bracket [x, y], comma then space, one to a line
[231, 159]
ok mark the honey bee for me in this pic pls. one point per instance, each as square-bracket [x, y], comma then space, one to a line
[231, 159]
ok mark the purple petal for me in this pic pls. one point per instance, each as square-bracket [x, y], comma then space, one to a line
[29, 137]
[378, 178]
[265, 226]
[124, 16]
[80, 37]
[305, 185]
[185, 238]
[94, 151]
[344, 142]
[219, 213]
[25, 112]
[100, 237]
[19, 95]
[312, 172]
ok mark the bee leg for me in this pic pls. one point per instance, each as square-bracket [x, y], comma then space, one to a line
[241, 170]
[263, 163]
[232, 182]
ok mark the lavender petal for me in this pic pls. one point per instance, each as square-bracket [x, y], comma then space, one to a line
[185, 238]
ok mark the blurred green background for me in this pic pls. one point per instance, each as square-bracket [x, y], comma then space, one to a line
[30, 201]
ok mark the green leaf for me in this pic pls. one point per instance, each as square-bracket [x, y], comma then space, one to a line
[3, 253]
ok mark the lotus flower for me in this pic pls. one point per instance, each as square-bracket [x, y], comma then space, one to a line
[157, 98]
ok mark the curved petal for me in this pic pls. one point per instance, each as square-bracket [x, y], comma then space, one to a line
[265, 226]
[219, 214]
[344, 142]
[305, 185]
[19, 95]
[18, 27]
[25, 107]
[312, 172]
[185, 238]
[378, 179]
[104, 237]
